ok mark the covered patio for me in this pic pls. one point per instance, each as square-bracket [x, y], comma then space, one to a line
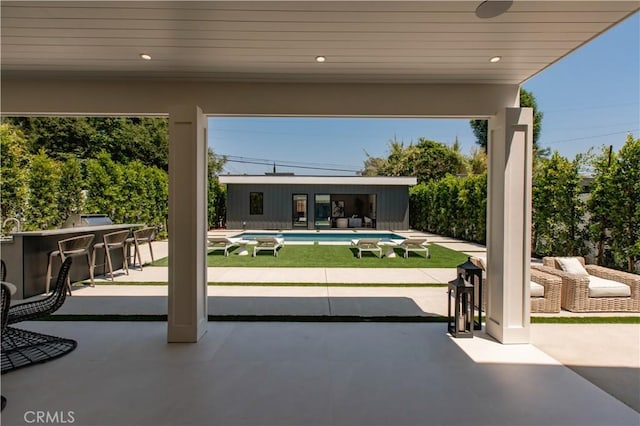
[383, 59]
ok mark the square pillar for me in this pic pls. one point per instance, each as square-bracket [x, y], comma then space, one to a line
[187, 319]
[510, 146]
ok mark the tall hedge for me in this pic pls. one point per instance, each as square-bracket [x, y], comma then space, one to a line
[453, 206]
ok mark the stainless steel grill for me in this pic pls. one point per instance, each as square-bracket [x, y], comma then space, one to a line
[78, 220]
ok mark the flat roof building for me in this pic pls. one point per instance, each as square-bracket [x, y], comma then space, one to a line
[317, 202]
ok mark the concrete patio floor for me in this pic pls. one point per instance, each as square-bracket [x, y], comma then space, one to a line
[302, 374]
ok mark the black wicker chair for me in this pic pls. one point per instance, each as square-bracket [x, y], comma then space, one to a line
[22, 348]
[6, 301]
[3, 270]
[39, 308]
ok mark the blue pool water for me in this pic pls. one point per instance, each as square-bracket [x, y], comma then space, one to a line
[321, 236]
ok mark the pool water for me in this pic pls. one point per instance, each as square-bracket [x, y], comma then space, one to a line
[320, 236]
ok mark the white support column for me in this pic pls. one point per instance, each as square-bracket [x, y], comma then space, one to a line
[510, 145]
[187, 320]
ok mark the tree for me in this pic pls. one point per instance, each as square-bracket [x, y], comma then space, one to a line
[125, 138]
[558, 209]
[527, 100]
[70, 198]
[427, 160]
[42, 202]
[215, 192]
[14, 159]
[625, 197]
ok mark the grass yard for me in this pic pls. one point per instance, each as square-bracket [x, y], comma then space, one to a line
[328, 256]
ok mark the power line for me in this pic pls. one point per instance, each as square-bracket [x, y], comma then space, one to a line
[291, 164]
[262, 163]
[591, 137]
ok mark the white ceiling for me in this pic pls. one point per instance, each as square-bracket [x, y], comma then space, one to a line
[380, 41]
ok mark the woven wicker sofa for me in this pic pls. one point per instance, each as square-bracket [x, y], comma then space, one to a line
[575, 289]
[548, 302]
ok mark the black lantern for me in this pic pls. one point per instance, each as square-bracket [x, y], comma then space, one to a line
[460, 293]
[473, 274]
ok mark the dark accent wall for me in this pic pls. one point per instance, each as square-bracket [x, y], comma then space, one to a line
[392, 204]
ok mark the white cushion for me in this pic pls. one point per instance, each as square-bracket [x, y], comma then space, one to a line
[483, 262]
[600, 287]
[572, 265]
[537, 290]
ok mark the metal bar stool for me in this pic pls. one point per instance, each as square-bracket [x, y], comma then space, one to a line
[141, 236]
[71, 247]
[111, 241]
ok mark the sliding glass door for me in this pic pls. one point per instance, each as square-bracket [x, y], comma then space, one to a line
[299, 210]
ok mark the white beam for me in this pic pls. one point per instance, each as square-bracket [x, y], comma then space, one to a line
[187, 319]
[510, 145]
[149, 97]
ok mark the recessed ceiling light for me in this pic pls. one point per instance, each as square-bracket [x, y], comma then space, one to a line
[492, 8]
[495, 59]
[145, 56]
[321, 58]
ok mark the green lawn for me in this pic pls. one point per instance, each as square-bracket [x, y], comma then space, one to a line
[339, 256]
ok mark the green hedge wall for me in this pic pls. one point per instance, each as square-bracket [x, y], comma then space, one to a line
[453, 206]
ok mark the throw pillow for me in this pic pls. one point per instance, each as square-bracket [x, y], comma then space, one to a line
[572, 265]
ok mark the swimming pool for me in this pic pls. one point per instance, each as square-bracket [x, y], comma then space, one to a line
[333, 237]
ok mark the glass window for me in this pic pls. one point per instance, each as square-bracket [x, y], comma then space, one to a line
[256, 203]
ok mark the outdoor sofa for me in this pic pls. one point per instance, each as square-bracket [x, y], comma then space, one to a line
[593, 288]
[545, 288]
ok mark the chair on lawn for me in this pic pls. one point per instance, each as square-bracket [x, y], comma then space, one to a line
[593, 288]
[222, 243]
[367, 244]
[416, 245]
[268, 243]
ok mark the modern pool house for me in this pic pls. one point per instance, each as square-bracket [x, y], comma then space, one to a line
[317, 202]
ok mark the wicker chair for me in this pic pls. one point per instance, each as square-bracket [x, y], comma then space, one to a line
[32, 310]
[22, 348]
[6, 301]
[575, 288]
[549, 303]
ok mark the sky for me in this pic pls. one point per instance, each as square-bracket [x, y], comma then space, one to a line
[589, 99]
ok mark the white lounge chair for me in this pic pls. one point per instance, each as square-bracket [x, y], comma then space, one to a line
[268, 243]
[367, 244]
[222, 243]
[414, 244]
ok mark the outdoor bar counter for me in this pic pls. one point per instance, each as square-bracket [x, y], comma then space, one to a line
[26, 255]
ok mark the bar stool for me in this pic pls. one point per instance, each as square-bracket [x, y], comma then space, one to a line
[141, 236]
[71, 247]
[111, 241]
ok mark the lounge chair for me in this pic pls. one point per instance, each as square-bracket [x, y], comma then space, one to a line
[414, 244]
[367, 244]
[268, 243]
[222, 243]
[544, 288]
[592, 288]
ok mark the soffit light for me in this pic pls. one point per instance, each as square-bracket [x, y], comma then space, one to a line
[492, 8]
[495, 59]
[145, 56]
[321, 58]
